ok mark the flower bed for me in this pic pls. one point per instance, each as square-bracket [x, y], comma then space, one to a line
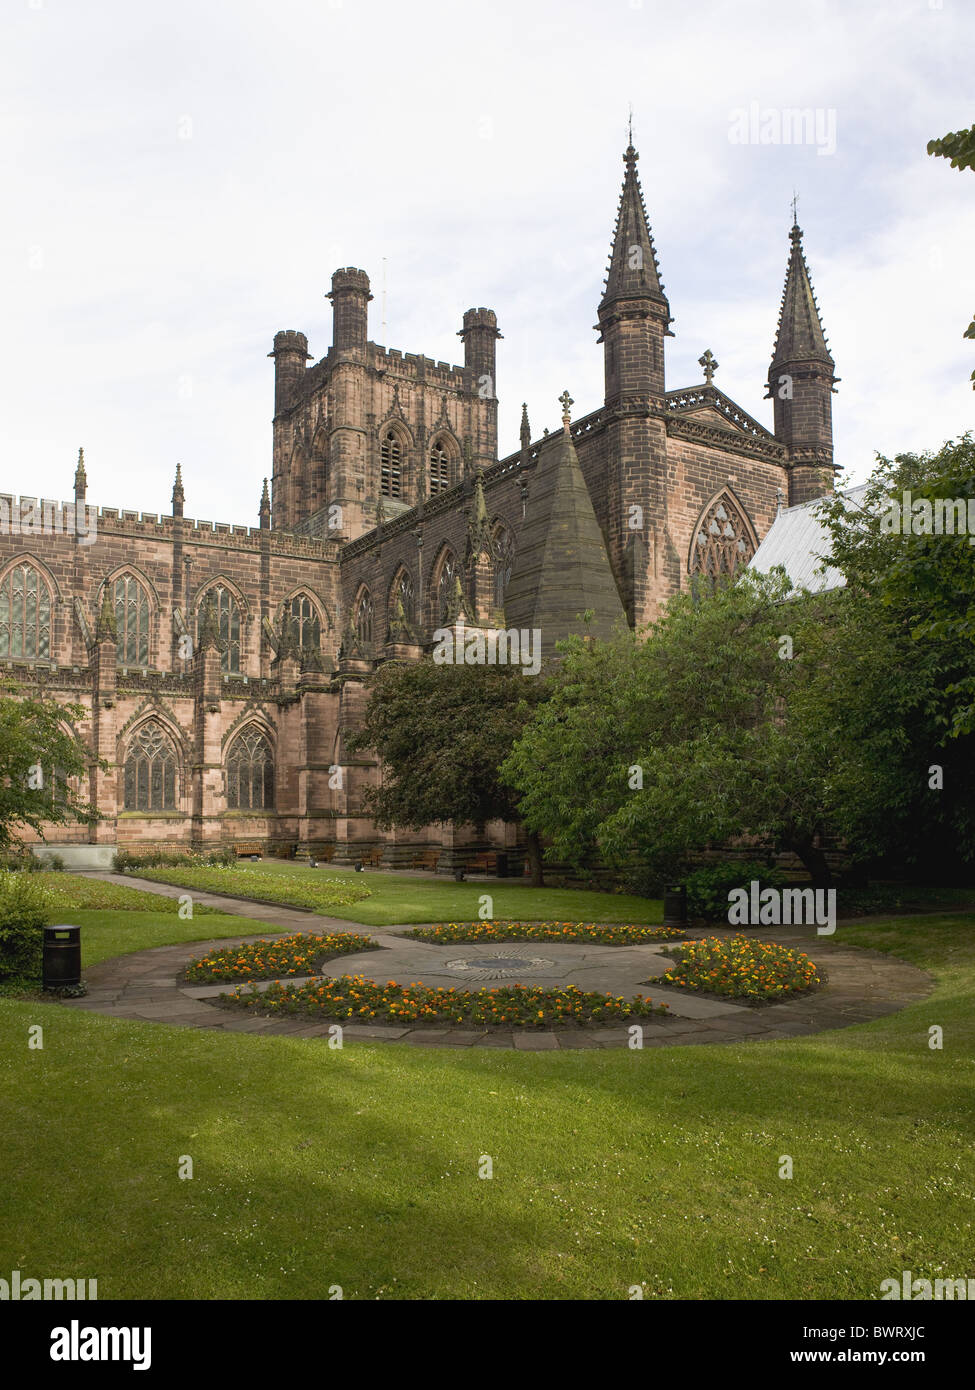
[544, 931]
[352, 997]
[273, 960]
[741, 968]
[290, 890]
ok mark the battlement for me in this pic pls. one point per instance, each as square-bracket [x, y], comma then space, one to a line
[351, 278]
[28, 517]
[290, 340]
[416, 365]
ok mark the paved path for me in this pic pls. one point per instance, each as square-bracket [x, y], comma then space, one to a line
[146, 985]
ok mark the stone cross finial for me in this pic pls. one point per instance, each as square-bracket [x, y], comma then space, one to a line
[565, 401]
[710, 364]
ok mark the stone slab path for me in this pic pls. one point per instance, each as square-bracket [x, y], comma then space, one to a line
[147, 985]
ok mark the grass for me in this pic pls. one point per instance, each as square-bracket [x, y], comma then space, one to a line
[359, 1166]
[73, 893]
[396, 899]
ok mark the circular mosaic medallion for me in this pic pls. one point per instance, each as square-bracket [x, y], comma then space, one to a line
[499, 967]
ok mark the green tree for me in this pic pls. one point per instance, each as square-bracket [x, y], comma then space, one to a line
[43, 765]
[441, 732]
[958, 148]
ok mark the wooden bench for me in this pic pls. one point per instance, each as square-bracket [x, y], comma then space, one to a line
[246, 849]
[426, 859]
[481, 864]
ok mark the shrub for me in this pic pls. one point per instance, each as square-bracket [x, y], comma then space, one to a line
[127, 862]
[25, 909]
[708, 886]
[743, 969]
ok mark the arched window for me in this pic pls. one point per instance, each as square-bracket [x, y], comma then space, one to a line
[404, 591]
[723, 542]
[439, 468]
[446, 586]
[307, 620]
[391, 466]
[250, 773]
[228, 623]
[25, 614]
[363, 618]
[504, 558]
[151, 767]
[131, 604]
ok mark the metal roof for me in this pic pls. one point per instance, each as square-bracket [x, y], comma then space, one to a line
[798, 540]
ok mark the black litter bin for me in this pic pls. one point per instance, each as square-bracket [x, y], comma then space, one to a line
[62, 957]
[675, 905]
[502, 870]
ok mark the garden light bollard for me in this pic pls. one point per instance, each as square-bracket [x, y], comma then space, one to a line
[62, 957]
[675, 905]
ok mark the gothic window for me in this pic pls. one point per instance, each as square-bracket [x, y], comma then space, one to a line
[504, 558]
[445, 586]
[363, 618]
[403, 590]
[132, 620]
[439, 468]
[307, 620]
[250, 773]
[150, 770]
[722, 544]
[228, 622]
[391, 466]
[25, 614]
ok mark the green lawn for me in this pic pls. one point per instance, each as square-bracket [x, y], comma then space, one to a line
[359, 1167]
[399, 900]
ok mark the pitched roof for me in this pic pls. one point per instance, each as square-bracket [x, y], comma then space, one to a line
[800, 334]
[798, 540]
[561, 567]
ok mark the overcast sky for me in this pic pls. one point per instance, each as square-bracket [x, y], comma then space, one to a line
[181, 179]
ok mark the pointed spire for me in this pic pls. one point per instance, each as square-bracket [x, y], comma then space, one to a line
[800, 336]
[526, 429]
[80, 478]
[264, 510]
[633, 271]
[178, 496]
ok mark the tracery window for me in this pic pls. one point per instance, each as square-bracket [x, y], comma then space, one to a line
[131, 603]
[504, 559]
[439, 468]
[307, 620]
[391, 466]
[446, 586]
[25, 614]
[228, 623]
[723, 543]
[250, 772]
[405, 592]
[151, 768]
[363, 618]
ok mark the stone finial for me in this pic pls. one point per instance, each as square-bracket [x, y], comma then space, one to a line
[264, 510]
[526, 431]
[80, 476]
[106, 628]
[178, 494]
[566, 401]
[209, 633]
[710, 364]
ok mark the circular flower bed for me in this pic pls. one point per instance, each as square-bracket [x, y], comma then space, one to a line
[272, 960]
[544, 931]
[741, 968]
[352, 997]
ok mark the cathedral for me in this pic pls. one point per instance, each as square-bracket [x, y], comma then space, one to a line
[221, 668]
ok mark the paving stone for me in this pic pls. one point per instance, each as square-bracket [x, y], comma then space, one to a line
[426, 1035]
[536, 1042]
